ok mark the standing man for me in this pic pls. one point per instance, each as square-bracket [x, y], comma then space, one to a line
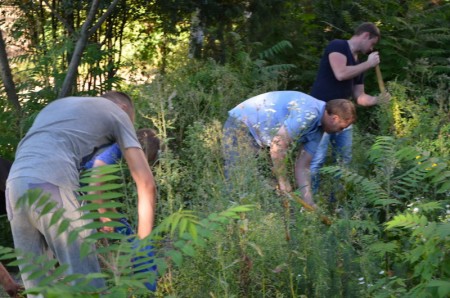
[64, 135]
[341, 75]
[276, 120]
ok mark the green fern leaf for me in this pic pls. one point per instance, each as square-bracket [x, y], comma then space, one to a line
[407, 220]
[381, 248]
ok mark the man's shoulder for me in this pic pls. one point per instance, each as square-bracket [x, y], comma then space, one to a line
[337, 45]
[74, 101]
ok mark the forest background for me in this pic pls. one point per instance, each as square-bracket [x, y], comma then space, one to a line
[186, 63]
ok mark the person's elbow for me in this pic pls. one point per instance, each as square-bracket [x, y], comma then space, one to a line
[150, 184]
[340, 76]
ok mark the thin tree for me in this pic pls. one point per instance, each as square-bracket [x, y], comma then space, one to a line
[6, 75]
[87, 29]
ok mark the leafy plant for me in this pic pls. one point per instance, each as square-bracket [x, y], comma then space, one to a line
[114, 250]
[408, 188]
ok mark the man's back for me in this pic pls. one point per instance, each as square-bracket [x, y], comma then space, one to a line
[67, 131]
[326, 87]
[264, 114]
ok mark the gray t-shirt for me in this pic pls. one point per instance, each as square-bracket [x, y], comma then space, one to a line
[66, 133]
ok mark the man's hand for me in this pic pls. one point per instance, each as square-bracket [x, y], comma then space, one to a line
[383, 98]
[373, 59]
[106, 229]
[284, 185]
[13, 289]
[8, 283]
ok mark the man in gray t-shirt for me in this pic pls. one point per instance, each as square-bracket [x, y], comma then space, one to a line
[64, 135]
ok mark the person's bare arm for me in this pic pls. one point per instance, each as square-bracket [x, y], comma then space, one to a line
[303, 176]
[8, 283]
[146, 189]
[367, 100]
[343, 72]
[278, 150]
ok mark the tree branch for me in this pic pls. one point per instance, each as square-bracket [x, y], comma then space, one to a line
[102, 19]
[85, 32]
[60, 18]
[6, 75]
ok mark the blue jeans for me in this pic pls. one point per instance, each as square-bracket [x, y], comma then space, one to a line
[341, 144]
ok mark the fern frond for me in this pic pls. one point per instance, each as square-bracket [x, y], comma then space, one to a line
[274, 50]
[407, 153]
[372, 190]
[366, 226]
[382, 149]
[407, 220]
[279, 68]
[381, 248]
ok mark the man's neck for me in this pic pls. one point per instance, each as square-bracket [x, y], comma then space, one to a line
[352, 43]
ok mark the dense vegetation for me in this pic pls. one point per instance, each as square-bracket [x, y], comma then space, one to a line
[186, 63]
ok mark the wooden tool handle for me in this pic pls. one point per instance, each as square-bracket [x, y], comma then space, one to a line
[308, 207]
[380, 79]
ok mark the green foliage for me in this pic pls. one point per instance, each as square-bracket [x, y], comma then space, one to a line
[409, 189]
[114, 249]
[395, 193]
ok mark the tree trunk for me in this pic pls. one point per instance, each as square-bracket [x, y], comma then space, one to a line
[85, 31]
[197, 35]
[6, 76]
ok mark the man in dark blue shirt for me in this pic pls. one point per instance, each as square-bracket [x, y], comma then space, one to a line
[341, 75]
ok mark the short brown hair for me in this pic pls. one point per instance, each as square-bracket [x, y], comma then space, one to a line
[118, 97]
[371, 28]
[150, 143]
[343, 108]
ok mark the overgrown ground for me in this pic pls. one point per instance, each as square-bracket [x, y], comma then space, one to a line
[390, 228]
[390, 231]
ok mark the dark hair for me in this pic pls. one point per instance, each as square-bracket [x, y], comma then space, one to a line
[118, 97]
[150, 144]
[371, 28]
[343, 108]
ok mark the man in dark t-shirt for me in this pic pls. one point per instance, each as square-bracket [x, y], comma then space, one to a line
[341, 75]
